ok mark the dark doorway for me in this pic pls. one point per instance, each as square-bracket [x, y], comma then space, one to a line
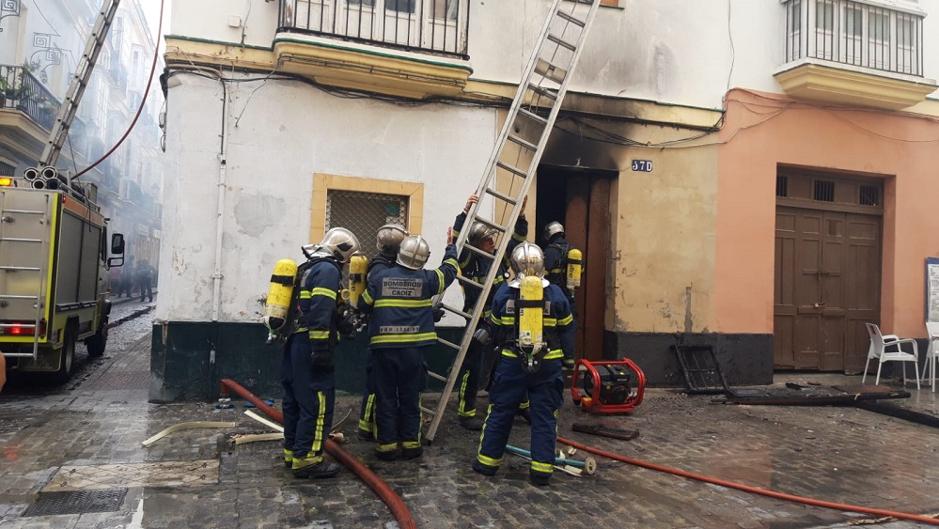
[580, 199]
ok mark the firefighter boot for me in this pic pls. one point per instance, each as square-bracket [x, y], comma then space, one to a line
[539, 479]
[523, 411]
[366, 435]
[313, 467]
[411, 450]
[387, 451]
[288, 459]
[472, 422]
[485, 470]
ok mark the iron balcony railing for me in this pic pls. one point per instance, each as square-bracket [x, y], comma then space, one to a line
[426, 26]
[20, 90]
[855, 33]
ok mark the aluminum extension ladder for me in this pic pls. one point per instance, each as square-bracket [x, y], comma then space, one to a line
[66, 114]
[515, 157]
[9, 215]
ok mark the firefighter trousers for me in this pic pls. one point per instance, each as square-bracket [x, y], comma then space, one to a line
[400, 377]
[369, 398]
[309, 396]
[509, 386]
[468, 380]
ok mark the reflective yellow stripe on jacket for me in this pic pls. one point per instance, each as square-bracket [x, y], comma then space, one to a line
[403, 338]
[553, 354]
[548, 322]
[320, 291]
[404, 303]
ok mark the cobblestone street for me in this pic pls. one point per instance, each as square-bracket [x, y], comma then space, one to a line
[101, 418]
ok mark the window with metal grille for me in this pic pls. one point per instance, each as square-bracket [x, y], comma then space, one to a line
[825, 190]
[870, 195]
[6, 169]
[782, 186]
[364, 213]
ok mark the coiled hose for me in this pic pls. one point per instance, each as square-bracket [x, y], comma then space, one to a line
[394, 502]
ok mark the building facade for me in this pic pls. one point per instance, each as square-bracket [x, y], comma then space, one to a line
[40, 44]
[755, 176]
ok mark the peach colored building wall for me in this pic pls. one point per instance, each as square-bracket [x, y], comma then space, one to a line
[762, 131]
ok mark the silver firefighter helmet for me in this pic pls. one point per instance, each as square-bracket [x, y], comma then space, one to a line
[480, 231]
[527, 260]
[339, 243]
[389, 238]
[552, 229]
[414, 252]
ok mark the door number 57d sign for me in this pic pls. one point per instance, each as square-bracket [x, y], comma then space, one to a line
[642, 166]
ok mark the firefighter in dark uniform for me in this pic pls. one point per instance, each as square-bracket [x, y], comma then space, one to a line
[519, 371]
[389, 240]
[307, 371]
[401, 327]
[476, 268]
[555, 264]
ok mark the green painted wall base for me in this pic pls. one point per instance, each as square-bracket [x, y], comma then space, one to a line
[189, 358]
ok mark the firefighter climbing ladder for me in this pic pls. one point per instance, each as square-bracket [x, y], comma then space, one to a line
[516, 155]
[76, 89]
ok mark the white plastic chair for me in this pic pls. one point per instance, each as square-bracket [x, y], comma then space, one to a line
[878, 349]
[932, 353]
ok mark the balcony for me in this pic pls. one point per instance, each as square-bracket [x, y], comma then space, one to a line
[427, 26]
[19, 90]
[411, 48]
[854, 52]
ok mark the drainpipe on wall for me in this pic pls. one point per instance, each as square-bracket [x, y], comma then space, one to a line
[220, 213]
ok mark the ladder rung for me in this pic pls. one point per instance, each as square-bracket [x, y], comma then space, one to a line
[448, 344]
[478, 251]
[561, 42]
[17, 239]
[500, 196]
[436, 376]
[532, 116]
[572, 19]
[21, 268]
[512, 169]
[468, 281]
[428, 410]
[13, 296]
[550, 71]
[542, 91]
[491, 224]
[456, 311]
[524, 143]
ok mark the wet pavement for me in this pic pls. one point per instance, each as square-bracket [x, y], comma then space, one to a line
[77, 448]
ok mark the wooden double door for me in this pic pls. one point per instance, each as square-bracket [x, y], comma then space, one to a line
[828, 269]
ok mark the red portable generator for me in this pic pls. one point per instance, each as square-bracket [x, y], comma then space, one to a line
[607, 387]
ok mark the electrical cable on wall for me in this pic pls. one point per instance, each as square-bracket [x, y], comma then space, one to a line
[143, 99]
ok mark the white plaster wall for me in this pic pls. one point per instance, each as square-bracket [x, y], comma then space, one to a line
[288, 132]
[672, 51]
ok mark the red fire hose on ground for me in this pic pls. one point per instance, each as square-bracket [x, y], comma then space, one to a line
[394, 502]
[403, 515]
[844, 507]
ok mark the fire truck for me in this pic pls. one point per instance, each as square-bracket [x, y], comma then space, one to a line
[54, 247]
[54, 253]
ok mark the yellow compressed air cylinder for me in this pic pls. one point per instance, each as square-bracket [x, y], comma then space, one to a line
[358, 269]
[531, 313]
[575, 268]
[280, 293]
